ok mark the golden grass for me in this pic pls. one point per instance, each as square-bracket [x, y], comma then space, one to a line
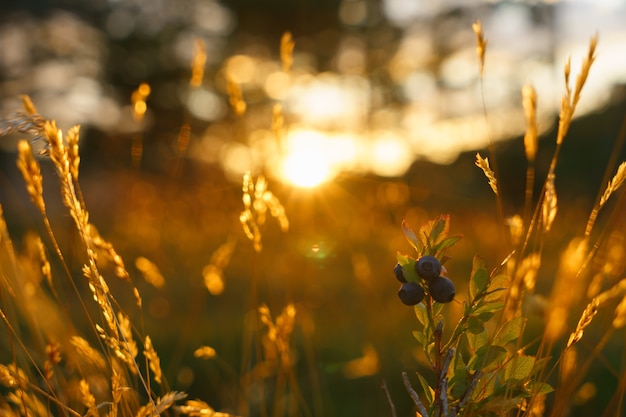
[483, 163]
[112, 368]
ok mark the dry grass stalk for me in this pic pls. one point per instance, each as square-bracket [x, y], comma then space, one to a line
[481, 45]
[87, 353]
[617, 290]
[150, 272]
[213, 273]
[87, 398]
[72, 151]
[278, 121]
[235, 97]
[153, 359]
[483, 163]
[95, 241]
[195, 408]
[120, 349]
[29, 123]
[45, 263]
[29, 167]
[567, 290]
[286, 51]
[529, 102]
[12, 377]
[100, 292]
[198, 63]
[154, 409]
[528, 270]
[620, 315]
[569, 100]
[549, 206]
[278, 334]
[53, 357]
[585, 319]
[204, 352]
[614, 184]
[28, 105]
[257, 200]
[117, 390]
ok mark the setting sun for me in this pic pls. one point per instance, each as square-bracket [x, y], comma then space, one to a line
[306, 169]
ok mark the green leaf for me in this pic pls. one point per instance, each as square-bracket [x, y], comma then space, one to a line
[519, 368]
[509, 331]
[487, 308]
[480, 277]
[420, 337]
[440, 228]
[460, 380]
[408, 267]
[410, 236]
[477, 340]
[502, 405]
[497, 287]
[435, 231]
[429, 393]
[445, 244]
[475, 325]
[421, 313]
[538, 388]
[437, 309]
[486, 356]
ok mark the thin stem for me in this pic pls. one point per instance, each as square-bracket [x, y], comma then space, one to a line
[416, 399]
[392, 406]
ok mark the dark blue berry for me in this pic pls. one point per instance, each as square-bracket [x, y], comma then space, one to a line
[441, 289]
[411, 293]
[428, 267]
[399, 273]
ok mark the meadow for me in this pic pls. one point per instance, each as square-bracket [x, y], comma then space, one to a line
[134, 291]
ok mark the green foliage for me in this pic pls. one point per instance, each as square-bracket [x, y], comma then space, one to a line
[479, 369]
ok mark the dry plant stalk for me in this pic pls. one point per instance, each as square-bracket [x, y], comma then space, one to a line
[150, 272]
[257, 200]
[154, 409]
[286, 51]
[196, 408]
[569, 100]
[614, 184]
[481, 45]
[153, 359]
[549, 207]
[205, 352]
[567, 290]
[213, 273]
[29, 167]
[198, 63]
[483, 163]
[278, 334]
[529, 102]
[235, 97]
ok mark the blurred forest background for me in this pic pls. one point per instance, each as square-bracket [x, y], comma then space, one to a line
[383, 111]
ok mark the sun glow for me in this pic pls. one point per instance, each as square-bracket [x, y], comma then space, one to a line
[306, 170]
[308, 161]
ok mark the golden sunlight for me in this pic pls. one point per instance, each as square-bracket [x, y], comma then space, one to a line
[306, 169]
[313, 157]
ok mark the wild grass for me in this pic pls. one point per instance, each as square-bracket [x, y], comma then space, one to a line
[83, 352]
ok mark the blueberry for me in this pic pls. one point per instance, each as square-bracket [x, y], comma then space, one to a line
[399, 273]
[411, 293]
[428, 267]
[441, 289]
